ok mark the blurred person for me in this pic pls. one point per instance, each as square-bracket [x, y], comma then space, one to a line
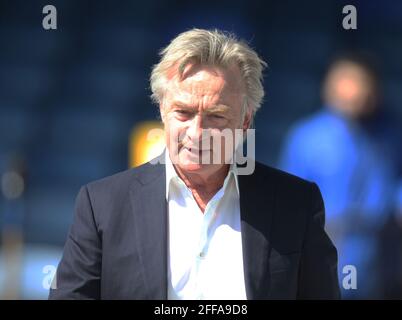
[350, 149]
[178, 228]
[12, 216]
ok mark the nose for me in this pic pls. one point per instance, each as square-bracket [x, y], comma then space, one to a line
[194, 130]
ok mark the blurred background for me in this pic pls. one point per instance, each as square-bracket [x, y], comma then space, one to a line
[74, 107]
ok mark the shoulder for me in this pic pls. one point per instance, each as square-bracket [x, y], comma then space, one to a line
[294, 201]
[290, 191]
[279, 177]
[109, 197]
[114, 189]
[322, 123]
[123, 179]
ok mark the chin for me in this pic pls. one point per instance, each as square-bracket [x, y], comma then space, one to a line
[193, 167]
[191, 164]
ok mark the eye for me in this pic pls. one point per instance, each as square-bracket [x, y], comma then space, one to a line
[183, 112]
[217, 116]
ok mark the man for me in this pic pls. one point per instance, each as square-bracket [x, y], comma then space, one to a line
[350, 149]
[193, 230]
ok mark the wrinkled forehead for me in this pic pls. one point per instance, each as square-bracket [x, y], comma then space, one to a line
[204, 80]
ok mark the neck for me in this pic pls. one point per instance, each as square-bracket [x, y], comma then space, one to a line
[210, 181]
[203, 186]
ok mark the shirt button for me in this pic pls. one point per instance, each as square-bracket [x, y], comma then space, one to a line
[202, 254]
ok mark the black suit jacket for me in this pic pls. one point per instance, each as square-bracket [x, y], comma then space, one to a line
[117, 245]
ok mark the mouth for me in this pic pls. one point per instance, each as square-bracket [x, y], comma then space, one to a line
[196, 150]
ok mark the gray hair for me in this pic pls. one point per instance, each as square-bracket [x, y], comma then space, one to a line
[211, 47]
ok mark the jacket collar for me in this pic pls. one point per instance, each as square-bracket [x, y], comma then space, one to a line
[171, 173]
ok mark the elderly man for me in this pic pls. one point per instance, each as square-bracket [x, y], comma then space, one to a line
[181, 228]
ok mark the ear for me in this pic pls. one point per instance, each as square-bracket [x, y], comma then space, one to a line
[162, 111]
[247, 119]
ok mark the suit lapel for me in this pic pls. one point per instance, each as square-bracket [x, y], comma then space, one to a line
[150, 214]
[256, 211]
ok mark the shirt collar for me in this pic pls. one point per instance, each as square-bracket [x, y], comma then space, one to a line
[171, 174]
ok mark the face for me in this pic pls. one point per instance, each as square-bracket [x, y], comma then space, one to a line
[350, 89]
[208, 99]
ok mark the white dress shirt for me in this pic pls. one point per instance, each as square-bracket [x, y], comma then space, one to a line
[205, 256]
